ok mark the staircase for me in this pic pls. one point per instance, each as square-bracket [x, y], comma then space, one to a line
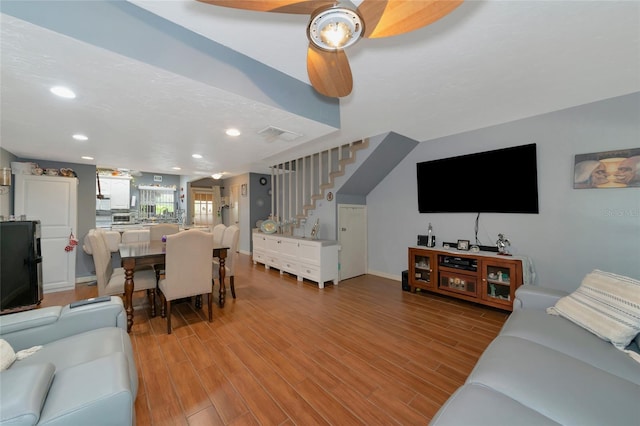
[298, 184]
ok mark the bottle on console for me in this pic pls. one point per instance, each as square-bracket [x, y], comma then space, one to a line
[431, 239]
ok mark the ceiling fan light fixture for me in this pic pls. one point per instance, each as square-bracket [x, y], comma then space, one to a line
[334, 28]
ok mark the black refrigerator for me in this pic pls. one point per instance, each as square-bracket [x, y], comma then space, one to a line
[20, 265]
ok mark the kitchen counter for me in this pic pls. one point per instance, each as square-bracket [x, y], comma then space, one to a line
[138, 226]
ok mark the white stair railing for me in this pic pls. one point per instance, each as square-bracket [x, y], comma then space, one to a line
[297, 184]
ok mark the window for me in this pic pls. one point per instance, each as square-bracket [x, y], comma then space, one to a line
[157, 202]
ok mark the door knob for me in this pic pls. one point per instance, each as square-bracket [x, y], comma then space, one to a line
[343, 229]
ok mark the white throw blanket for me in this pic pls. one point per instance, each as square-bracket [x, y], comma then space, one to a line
[8, 356]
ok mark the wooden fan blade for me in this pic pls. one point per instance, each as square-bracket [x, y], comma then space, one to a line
[329, 72]
[402, 16]
[303, 7]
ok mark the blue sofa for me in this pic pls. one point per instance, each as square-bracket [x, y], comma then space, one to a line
[545, 370]
[84, 374]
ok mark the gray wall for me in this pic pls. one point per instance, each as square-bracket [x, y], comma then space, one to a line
[259, 199]
[576, 230]
[244, 241]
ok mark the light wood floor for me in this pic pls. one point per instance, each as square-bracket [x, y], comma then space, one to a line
[288, 353]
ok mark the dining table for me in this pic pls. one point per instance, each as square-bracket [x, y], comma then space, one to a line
[150, 253]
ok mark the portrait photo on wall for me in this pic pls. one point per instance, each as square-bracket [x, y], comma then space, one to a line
[607, 169]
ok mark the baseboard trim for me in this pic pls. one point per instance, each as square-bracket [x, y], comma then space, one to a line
[87, 279]
[385, 275]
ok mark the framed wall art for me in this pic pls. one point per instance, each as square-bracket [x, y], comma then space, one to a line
[607, 169]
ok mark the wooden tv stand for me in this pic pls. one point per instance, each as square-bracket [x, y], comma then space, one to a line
[481, 277]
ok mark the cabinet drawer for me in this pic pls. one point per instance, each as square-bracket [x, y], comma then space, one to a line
[289, 266]
[259, 256]
[272, 261]
[310, 272]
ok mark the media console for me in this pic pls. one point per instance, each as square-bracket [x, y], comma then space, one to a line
[486, 278]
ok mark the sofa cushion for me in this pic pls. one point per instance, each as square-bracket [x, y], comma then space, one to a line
[94, 393]
[85, 347]
[478, 405]
[564, 336]
[606, 304]
[556, 385]
[23, 393]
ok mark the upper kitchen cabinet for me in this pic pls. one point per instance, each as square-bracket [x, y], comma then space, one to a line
[116, 191]
[120, 193]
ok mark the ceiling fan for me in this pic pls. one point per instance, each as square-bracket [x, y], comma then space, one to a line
[336, 25]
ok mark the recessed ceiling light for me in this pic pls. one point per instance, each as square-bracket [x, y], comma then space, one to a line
[63, 92]
[233, 132]
[86, 157]
[80, 137]
[216, 175]
[176, 168]
[197, 156]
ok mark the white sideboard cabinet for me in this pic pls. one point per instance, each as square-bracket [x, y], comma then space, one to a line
[315, 260]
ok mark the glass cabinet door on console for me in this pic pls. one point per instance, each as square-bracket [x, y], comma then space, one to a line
[458, 282]
[421, 269]
[499, 281]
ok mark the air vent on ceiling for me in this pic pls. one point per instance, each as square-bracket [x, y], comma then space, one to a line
[272, 133]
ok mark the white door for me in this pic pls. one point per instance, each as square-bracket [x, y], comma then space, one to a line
[54, 202]
[234, 208]
[352, 235]
[202, 206]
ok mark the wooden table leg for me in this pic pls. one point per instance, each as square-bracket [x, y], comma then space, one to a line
[128, 265]
[223, 288]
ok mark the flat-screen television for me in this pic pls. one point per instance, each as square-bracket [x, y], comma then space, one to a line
[500, 181]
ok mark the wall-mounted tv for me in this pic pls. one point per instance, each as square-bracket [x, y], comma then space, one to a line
[500, 181]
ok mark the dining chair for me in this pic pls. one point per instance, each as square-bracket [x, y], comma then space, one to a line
[218, 232]
[136, 236]
[156, 233]
[112, 238]
[230, 239]
[188, 270]
[110, 280]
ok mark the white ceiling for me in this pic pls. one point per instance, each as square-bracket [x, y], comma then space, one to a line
[487, 63]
